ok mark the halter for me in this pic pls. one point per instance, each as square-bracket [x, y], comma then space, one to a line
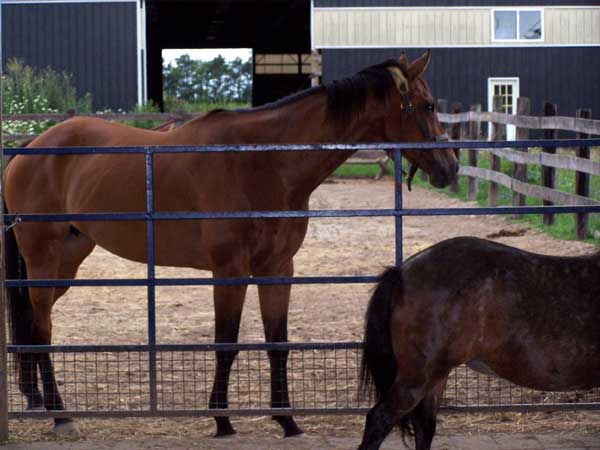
[406, 107]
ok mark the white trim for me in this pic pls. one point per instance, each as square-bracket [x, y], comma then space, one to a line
[498, 45]
[517, 10]
[510, 129]
[30, 2]
[312, 25]
[444, 8]
[142, 70]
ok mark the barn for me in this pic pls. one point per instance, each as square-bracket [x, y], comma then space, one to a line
[542, 49]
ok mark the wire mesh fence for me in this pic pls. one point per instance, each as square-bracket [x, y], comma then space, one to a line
[321, 380]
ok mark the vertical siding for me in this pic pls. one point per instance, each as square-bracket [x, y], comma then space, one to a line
[572, 25]
[96, 42]
[566, 76]
[443, 27]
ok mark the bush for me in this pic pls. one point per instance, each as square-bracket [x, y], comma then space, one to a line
[27, 91]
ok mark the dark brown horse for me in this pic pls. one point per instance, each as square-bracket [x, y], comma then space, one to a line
[388, 102]
[527, 318]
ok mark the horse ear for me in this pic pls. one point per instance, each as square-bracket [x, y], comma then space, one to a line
[399, 78]
[418, 66]
[403, 60]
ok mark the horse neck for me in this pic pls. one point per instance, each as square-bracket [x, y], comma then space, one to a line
[299, 122]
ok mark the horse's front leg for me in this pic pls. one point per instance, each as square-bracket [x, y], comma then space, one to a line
[274, 304]
[228, 302]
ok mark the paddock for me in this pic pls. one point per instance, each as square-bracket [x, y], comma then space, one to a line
[319, 378]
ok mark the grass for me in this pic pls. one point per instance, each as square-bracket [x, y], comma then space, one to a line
[564, 224]
[563, 228]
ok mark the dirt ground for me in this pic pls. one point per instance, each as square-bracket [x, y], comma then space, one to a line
[334, 246]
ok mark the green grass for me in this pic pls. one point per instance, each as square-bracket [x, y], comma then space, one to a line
[563, 228]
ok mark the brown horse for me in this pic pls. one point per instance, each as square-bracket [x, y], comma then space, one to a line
[527, 318]
[388, 102]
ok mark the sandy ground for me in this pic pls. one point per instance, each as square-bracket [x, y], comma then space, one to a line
[340, 246]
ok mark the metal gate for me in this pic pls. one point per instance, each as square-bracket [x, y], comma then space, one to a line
[175, 380]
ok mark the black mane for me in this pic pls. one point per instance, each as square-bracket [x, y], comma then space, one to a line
[346, 98]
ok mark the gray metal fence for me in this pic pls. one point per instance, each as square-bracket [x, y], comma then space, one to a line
[175, 380]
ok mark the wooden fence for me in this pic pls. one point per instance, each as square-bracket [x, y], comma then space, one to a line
[468, 125]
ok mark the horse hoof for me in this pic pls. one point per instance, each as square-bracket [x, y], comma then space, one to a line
[233, 435]
[301, 435]
[36, 409]
[67, 429]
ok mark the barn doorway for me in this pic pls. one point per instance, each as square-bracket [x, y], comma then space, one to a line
[273, 28]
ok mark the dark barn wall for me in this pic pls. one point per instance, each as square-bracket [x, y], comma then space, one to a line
[564, 75]
[94, 42]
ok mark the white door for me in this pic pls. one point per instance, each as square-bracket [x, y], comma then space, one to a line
[508, 88]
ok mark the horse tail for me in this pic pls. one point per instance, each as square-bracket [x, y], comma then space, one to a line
[378, 366]
[20, 310]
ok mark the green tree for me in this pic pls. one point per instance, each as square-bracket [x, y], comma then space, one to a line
[208, 81]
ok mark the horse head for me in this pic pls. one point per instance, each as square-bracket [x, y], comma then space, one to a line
[410, 116]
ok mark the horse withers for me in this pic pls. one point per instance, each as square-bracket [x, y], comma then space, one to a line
[388, 102]
[527, 318]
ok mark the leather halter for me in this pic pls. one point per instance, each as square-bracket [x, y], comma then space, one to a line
[406, 107]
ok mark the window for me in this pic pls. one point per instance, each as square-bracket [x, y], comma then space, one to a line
[508, 90]
[517, 25]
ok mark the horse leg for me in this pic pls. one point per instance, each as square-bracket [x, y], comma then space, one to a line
[228, 302]
[274, 303]
[424, 417]
[57, 258]
[395, 406]
[76, 247]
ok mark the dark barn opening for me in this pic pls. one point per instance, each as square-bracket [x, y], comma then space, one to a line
[277, 31]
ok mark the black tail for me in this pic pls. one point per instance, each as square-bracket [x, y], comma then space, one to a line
[20, 312]
[378, 365]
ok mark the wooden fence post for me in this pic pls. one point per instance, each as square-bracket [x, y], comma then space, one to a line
[582, 181]
[475, 135]
[456, 135]
[498, 134]
[522, 134]
[549, 173]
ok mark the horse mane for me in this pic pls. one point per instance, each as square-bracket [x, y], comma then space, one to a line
[346, 98]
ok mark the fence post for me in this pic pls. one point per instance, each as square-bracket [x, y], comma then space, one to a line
[456, 135]
[474, 134]
[582, 181]
[549, 173]
[3, 353]
[498, 134]
[522, 134]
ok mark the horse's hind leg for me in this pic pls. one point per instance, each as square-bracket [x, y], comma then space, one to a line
[274, 304]
[395, 406]
[424, 417]
[57, 258]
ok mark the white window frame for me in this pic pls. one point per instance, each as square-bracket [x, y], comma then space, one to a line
[518, 10]
[510, 129]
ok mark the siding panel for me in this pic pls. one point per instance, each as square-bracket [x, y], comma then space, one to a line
[96, 42]
[566, 76]
[427, 3]
[335, 27]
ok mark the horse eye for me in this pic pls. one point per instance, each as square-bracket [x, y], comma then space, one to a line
[431, 107]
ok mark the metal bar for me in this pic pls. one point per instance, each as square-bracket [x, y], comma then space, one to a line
[10, 219]
[151, 281]
[304, 147]
[517, 407]
[398, 204]
[212, 347]
[258, 281]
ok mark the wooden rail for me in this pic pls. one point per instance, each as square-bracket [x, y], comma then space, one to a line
[548, 158]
